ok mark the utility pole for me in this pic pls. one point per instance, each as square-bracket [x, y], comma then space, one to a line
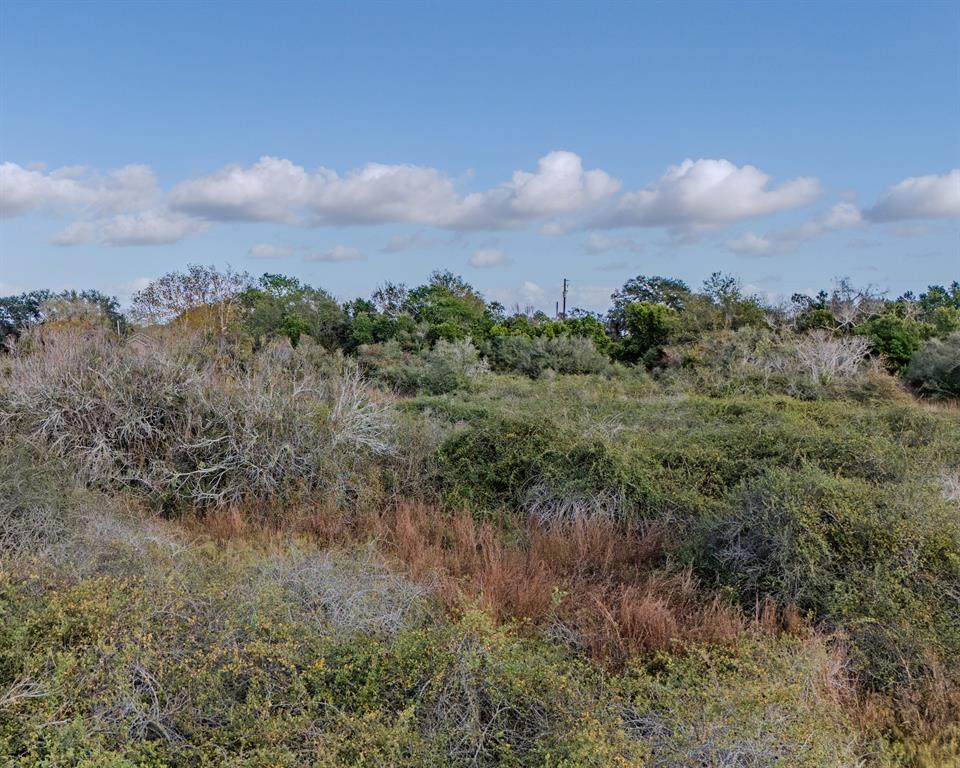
[566, 283]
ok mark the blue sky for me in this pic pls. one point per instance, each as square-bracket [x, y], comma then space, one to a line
[514, 143]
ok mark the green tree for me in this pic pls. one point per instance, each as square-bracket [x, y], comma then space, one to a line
[19, 312]
[649, 327]
[896, 338]
[282, 306]
[653, 290]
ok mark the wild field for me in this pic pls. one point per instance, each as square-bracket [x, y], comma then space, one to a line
[246, 525]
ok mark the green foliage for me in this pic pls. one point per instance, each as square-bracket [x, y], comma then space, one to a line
[281, 306]
[20, 312]
[733, 308]
[493, 462]
[448, 366]
[938, 297]
[172, 654]
[649, 327]
[532, 356]
[652, 290]
[767, 466]
[935, 367]
[867, 559]
[896, 338]
[713, 707]
[816, 317]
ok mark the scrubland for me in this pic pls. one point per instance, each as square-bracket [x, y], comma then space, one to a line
[268, 530]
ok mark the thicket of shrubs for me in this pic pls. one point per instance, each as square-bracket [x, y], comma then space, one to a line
[128, 644]
[277, 530]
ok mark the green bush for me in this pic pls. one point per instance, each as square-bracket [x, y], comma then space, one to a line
[447, 367]
[935, 368]
[649, 327]
[716, 707]
[866, 559]
[532, 356]
[896, 338]
[493, 463]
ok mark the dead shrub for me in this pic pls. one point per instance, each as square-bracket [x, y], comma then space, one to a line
[162, 416]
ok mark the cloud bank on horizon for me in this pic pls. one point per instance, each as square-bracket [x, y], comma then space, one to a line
[125, 206]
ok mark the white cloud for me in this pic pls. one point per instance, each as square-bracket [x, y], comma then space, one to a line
[274, 189]
[488, 257]
[268, 251]
[920, 197]
[263, 192]
[126, 207]
[418, 239]
[8, 289]
[151, 227]
[22, 190]
[377, 194]
[123, 189]
[705, 193]
[841, 216]
[559, 185]
[600, 243]
[338, 253]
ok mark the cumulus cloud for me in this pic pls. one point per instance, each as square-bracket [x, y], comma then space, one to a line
[698, 194]
[559, 185]
[275, 189]
[152, 227]
[841, 216]
[23, 190]
[269, 251]
[920, 197]
[337, 253]
[560, 195]
[600, 243]
[263, 192]
[488, 257]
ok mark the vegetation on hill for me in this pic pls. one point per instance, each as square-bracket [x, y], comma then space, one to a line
[249, 525]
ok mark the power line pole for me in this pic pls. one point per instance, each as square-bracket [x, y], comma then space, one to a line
[563, 314]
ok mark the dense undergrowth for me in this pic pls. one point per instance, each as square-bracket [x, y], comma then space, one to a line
[745, 552]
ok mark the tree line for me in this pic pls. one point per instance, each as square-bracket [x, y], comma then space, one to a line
[647, 315]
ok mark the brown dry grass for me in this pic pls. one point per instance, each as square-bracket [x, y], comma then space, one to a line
[601, 584]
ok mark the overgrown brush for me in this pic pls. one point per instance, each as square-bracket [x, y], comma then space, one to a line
[881, 565]
[187, 428]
